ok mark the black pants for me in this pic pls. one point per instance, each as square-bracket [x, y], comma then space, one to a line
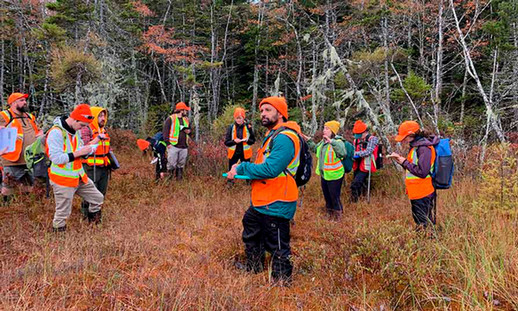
[236, 158]
[423, 210]
[102, 175]
[359, 185]
[267, 233]
[161, 164]
[332, 190]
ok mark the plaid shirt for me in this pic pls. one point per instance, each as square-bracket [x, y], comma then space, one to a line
[371, 144]
[86, 134]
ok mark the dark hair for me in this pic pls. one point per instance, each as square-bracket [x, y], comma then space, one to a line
[423, 133]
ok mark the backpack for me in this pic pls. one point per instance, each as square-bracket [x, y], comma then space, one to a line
[305, 167]
[158, 143]
[36, 159]
[348, 160]
[442, 174]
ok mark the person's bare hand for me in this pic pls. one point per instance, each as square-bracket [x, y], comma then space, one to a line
[398, 158]
[237, 140]
[233, 172]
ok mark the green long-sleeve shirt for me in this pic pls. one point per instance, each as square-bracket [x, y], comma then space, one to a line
[281, 154]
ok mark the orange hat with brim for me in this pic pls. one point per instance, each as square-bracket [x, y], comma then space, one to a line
[278, 103]
[407, 128]
[15, 96]
[143, 144]
[359, 127]
[82, 113]
[182, 106]
[239, 112]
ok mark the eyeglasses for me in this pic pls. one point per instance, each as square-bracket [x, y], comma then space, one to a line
[87, 116]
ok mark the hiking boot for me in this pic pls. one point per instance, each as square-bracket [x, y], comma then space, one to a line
[60, 229]
[95, 217]
[248, 267]
[170, 174]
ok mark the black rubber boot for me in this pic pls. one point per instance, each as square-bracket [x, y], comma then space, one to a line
[179, 173]
[60, 229]
[95, 217]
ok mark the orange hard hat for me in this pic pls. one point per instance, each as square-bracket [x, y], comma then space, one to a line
[278, 103]
[359, 127]
[406, 128]
[143, 144]
[182, 106]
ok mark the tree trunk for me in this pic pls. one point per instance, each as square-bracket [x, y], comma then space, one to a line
[493, 119]
[255, 83]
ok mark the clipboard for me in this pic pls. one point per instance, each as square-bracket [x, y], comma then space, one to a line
[238, 176]
[8, 137]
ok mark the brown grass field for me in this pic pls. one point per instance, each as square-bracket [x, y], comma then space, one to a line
[171, 246]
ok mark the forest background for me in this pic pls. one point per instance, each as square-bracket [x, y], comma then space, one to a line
[451, 65]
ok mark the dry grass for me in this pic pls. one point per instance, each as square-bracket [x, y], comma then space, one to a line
[172, 247]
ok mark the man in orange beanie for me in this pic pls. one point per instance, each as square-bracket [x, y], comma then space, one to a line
[175, 131]
[67, 176]
[15, 169]
[266, 224]
[239, 139]
[365, 157]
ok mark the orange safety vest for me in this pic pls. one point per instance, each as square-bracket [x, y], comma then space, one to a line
[364, 161]
[174, 132]
[416, 187]
[101, 153]
[247, 150]
[68, 174]
[282, 188]
[8, 116]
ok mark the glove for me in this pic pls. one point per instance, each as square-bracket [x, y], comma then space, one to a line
[94, 147]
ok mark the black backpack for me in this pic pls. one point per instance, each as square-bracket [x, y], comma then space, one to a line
[305, 168]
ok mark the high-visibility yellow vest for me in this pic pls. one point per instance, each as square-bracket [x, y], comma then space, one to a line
[174, 132]
[333, 168]
[101, 153]
[8, 116]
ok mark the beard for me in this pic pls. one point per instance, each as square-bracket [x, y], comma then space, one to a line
[22, 109]
[267, 122]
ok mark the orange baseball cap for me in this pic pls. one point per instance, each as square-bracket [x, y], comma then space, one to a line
[182, 106]
[406, 128]
[239, 112]
[278, 103]
[359, 127]
[82, 113]
[143, 144]
[15, 96]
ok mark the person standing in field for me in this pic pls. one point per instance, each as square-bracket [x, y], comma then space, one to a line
[15, 172]
[266, 224]
[66, 173]
[239, 139]
[365, 156]
[175, 131]
[97, 165]
[330, 151]
[418, 165]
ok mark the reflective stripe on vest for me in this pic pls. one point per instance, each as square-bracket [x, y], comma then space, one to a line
[247, 150]
[14, 156]
[101, 153]
[333, 168]
[68, 174]
[174, 132]
[416, 187]
[282, 188]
